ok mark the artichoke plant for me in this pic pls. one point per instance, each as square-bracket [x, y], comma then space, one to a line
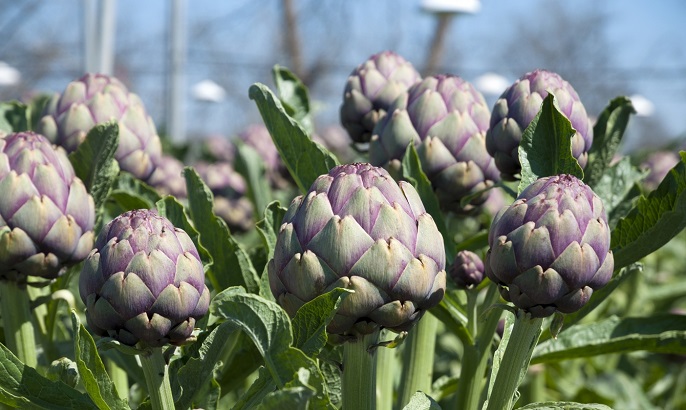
[519, 104]
[357, 228]
[229, 189]
[658, 164]
[370, 90]
[467, 271]
[46, 215]
[446, 118]
[95, 99]
[550, 249]
[144, 282]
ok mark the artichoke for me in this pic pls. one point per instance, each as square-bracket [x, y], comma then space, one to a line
[46, 215]
[370, 90]
[658, 164]
[550, 249]
[168, 177]
[357, 228]
[229, 189]
[446, 118]
[467, 271]
[257, 136]
[519, 104]
[95, 99]
[144, 282]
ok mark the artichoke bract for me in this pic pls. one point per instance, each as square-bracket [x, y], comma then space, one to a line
[550, 249]
[144, 282]
[95, 99]
[46, 214]
[446, 118]
[467, 271]
[357, 228]
[518, 106]
[370, 90]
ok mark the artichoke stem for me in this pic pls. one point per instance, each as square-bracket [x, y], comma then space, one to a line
[359, 372]
[475, 356]
[515, 361]
[418, 359]
[16, 317]
[156, 374]
[119, 377]
[385, 374]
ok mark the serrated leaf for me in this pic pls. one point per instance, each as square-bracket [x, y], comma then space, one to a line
[546, 146]
[564, 405]
[413, 173]
[660, 333]
[269, 226]
[654, 221]
[94, 377]
[421, 401]
[294, 97]
[296, 395]
[616, 183]
[94, 162]
[251, 166]
[310, 321]
[22, 387]
[258, 390]
[197, 371]
[231, 265]
[304, 158]
[270, 329]
[607, 134]
[14, 117]
[173, 210]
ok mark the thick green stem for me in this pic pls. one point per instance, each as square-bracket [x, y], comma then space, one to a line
[119, 377]
[156, 374]
[515, 361]
[359, 372]
[385, 373]
[475, 357]
[418, 359]
[16, 317]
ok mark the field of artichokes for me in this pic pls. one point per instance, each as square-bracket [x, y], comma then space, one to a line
[429, 252]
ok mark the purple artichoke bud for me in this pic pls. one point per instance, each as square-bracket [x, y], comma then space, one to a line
[357, 228]
[519, 104]
[371, 89]
[257, 136]
[219, 148]
[143, 282]
[95, 99]
[446, 118]
[335, 139]
[550, 249]
[659, 164]
[46, 214]
[467, 270]
[229, 189]
[168, 177]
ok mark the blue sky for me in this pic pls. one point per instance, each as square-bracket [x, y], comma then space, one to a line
[647, 41]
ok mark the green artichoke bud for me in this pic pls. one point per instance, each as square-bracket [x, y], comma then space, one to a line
[46, 214]
[550, 249]
[467, 270]
[519, 104]
[229, 189]
[64, 370]
[371, 89]
[446, 118]
[168, 177]
[95, 99]
[357, 228]
[144, 282]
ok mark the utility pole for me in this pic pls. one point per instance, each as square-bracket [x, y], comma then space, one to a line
[176, 115]
[99, 29]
